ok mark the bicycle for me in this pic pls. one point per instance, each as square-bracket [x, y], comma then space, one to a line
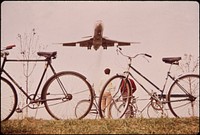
[93, 113]
[59, 95]
[182, 97]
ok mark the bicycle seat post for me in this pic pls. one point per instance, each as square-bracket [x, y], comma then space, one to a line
[168, 75]
[4, 56]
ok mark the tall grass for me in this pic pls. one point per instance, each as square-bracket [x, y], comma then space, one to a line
[106, 126]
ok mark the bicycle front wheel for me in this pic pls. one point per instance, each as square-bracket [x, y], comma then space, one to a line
[63, 92]
[114, 97]
[183, 96]
[8, 99]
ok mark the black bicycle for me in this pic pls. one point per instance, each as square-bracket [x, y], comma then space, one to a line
[60, 93]
[182, 97]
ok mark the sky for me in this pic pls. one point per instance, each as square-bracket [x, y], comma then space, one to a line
[163, 29]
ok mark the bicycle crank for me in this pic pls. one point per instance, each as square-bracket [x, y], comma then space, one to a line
[156, 104]
[33, 104]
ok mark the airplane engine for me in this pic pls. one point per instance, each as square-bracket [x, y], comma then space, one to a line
[104, 46]
[89, 47]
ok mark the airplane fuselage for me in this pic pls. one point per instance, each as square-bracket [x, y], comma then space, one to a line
[98, 35]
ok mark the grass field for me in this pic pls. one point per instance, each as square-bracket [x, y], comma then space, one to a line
[106, 126]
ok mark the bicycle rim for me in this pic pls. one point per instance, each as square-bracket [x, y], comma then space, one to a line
[180, 102]
[63, 95]
[8, 99]
[113, 101]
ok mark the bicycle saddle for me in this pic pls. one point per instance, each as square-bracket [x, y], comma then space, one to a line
[172, 60]
[47, 54]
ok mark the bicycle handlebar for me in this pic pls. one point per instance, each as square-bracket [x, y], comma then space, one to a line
[8, 47]
[5, 53]
[148, 55]
[144, 54]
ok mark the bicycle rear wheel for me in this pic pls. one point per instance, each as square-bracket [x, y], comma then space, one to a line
[63, 92]
[183, 96]
[114, 98]
[8, 99]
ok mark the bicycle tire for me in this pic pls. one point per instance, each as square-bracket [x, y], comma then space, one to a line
[180, 104]
[112, 86]
[8, 99]
[62, 106]
[93, 113]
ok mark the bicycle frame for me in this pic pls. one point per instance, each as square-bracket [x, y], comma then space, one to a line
[48, 60]
[154, 85]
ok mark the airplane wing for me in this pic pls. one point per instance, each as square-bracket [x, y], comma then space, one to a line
[84, 43]
[108, 43]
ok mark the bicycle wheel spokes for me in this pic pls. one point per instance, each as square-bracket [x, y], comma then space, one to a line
[61, 105]
[8, 99]
[183, 96]
[114, 98]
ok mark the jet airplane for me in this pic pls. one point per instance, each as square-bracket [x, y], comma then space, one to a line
[98, 40]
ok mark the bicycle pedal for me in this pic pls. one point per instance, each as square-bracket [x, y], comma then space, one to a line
[18, 110]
